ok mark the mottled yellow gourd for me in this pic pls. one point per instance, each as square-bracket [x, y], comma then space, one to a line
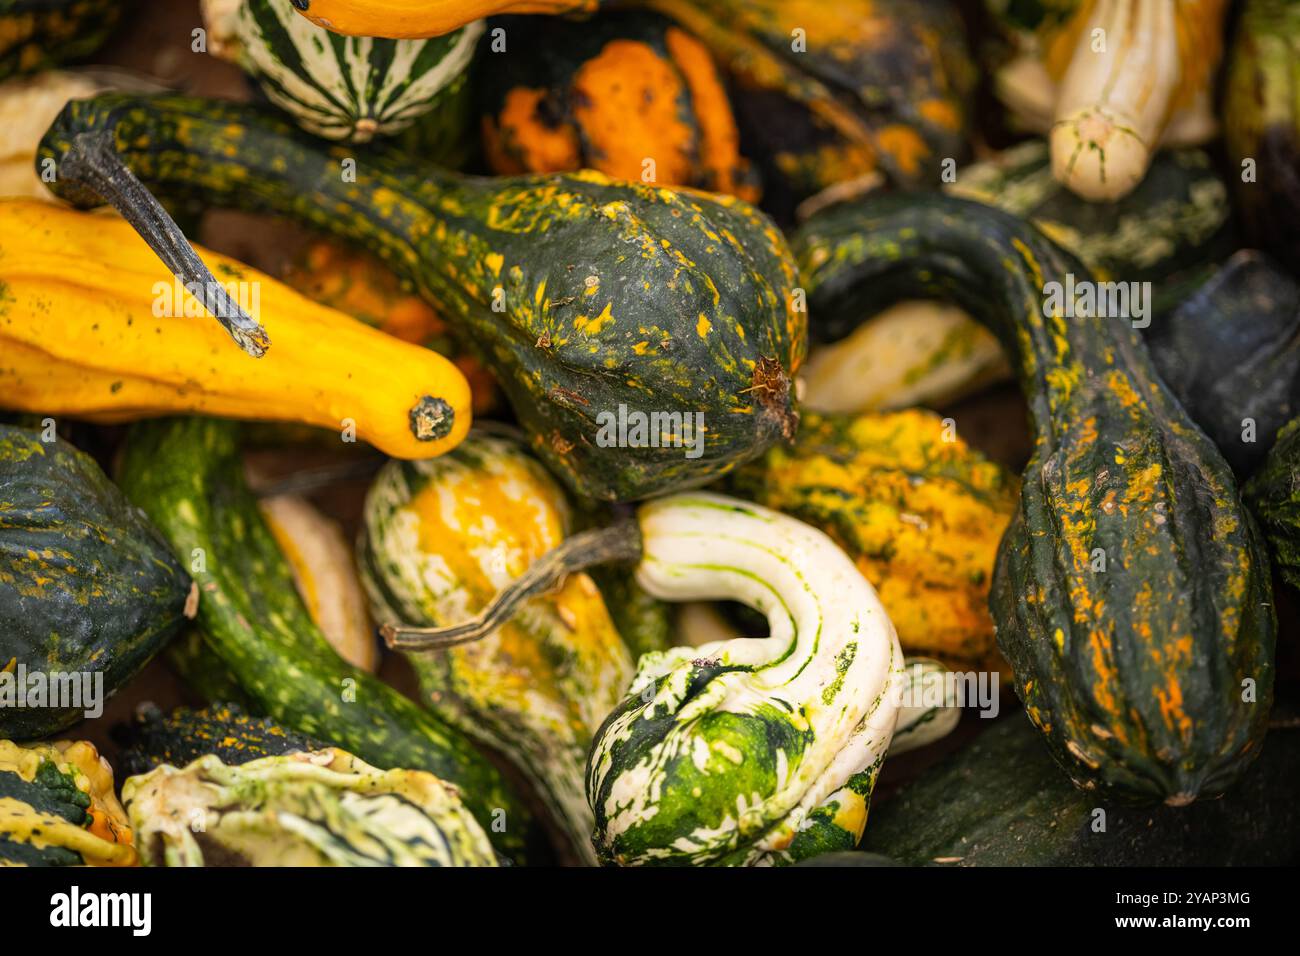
[81, 336]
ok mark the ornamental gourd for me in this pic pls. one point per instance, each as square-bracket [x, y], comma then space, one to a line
[627, 93]
[1274, 493]
[438, 543]
[57, 807]
[421, 18]
[1110, 80]
[741, 751]
[315, 808]
[917, 509]
[1131, 592]
[187, 475]
[582, 294]
[120, 342]
[342, 88]
[89, 590]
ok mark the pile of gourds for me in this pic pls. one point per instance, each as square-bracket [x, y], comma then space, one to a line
[619, 388]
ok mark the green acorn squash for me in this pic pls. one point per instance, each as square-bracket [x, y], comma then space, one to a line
[89, 590]
[919, 511]
[1001, 801]
[1171, 231]
[585, 296]
[342, 88]
[316, 808]
[628, 93]
[57, 808]
[1231, 353]
[186, 473]
[1131, 592]
[437, 544]
[36, 35]
[1261, 125]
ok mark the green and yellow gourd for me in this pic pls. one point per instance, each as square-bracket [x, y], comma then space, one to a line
[313, 808]
[38, 34]
[89, 589]
[1171, 231]
[643, 297]
[344, 88]
[186, 473]
[917, 509]
[437, 545]
[741, 751]
[57, 807]
[1131, 593]
[628, 93]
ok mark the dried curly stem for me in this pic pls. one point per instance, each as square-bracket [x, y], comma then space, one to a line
[619, 542]
[93, 162]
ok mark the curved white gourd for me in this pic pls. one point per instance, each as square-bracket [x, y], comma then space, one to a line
[724, 753]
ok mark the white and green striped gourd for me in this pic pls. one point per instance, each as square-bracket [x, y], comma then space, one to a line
[338, 87]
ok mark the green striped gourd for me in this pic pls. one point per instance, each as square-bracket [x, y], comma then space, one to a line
[440, 539]
[743, 752]
[312, 808]
[342, 88]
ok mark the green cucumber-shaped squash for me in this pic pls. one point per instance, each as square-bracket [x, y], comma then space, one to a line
[1001, 801]
[743, 751]
[588, 298]
[1131, 593]
[88, 587]
[39, 34]
[1274, 493]
[186, 473]
[313, 808]
[440, 538]
[345, 88]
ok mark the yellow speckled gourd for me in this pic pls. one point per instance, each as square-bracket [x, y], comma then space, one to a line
[91, 343]
[919, 511]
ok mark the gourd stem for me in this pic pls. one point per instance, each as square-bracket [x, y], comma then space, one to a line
[93, 162]
[618, 542]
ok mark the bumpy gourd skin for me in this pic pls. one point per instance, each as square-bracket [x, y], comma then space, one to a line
[87, 584]
[1135, 674]
[743, 751]
[316, 808]
[582, 293]
[186, 473]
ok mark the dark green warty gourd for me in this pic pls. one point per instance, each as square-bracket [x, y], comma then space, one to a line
[582, 293]
[1131, 593]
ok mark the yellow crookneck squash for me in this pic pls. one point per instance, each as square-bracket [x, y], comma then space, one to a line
[1111, 81]
[918, 510]
[116, 339]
